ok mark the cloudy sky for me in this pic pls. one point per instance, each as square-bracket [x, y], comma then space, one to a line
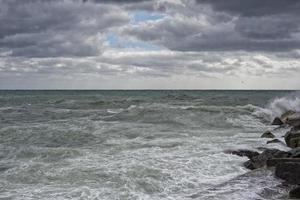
[149, 44]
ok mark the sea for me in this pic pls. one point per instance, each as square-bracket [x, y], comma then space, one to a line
[137, 145]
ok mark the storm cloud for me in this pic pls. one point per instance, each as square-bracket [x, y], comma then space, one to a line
[154, 40]
[226, 26]
[55, 28]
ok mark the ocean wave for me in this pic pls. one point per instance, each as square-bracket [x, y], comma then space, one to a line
[184, 115]
[249, 108]
[279, 105]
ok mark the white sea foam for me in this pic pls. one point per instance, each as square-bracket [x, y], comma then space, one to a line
[279, 105]
[93, 147]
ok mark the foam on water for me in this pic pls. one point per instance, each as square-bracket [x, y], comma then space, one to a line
[280, 105]
[135, 144]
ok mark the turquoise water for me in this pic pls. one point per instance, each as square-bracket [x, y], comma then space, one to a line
[135, 144]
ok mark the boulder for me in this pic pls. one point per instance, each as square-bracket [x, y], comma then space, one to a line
[267, 134]
[261, 160]
[249, 165]
[295, 193]
[275, 161]
[277, 121]
[288, 171]
[286, 115]
[244, 152]
[292, 138]
[294, 120]
[283, 118]
[295, 153]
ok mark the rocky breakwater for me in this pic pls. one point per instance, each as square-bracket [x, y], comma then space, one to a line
[285, 164]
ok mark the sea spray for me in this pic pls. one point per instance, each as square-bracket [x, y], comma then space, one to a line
[279, 105]
[131, 144]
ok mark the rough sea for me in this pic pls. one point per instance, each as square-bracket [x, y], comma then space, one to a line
[137, 144]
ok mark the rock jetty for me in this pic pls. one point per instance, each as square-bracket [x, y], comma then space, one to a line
[285, 164]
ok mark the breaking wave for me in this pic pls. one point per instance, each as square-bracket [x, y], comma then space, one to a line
[135, 144]
[279, 105]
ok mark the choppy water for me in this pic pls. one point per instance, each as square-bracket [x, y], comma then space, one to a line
[136, 144]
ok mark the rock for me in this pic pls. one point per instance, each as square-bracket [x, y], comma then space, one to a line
[295, 193]
[283, 118]
[275, 161]
[261, 160]
[244, 152]
[295, 129]
[267, 134]
[274, 141]
[295, 153]
[288, 171]
[286, 115]
[249, 165]
[292, 138]
[277, 121]
[294, 119]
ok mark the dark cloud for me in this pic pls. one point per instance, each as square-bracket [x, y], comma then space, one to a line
[56, 28]
[52, 28]
[117, 1]
[254, 7]
[268, 27]
[48, 41]
[233, 25]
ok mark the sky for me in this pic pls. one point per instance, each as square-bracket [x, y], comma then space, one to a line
[149, 44]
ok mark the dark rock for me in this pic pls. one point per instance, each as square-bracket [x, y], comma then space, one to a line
[283, 118]
[292, 138]
[275, 161]
[294, 119]
[261, 160]
[295, 153]
[296, 128]
[288, 171]
[274, 141]
[267, 134]
[249, 165]
[277, 121]
[295, 193]
[286, 115]
[244, 152]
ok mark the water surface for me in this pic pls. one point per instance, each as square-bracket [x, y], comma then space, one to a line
[136, 144]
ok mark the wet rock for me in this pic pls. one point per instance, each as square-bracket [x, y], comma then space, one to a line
[277, 121]
[261, 160]
[294, 120]
[249, 165]
[244, 152]
[267, 134]
[295, 193]
[283, 118]
[288, 171]
[275, 161]
[286, 115]
[292, 138]
[295, 153]
[274, 141]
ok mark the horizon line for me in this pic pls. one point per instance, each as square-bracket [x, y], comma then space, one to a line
[149, 89]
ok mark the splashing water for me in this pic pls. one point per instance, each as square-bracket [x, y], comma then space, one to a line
[280, 105]
[134, 144]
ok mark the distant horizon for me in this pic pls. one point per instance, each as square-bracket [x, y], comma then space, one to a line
[149, 90]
